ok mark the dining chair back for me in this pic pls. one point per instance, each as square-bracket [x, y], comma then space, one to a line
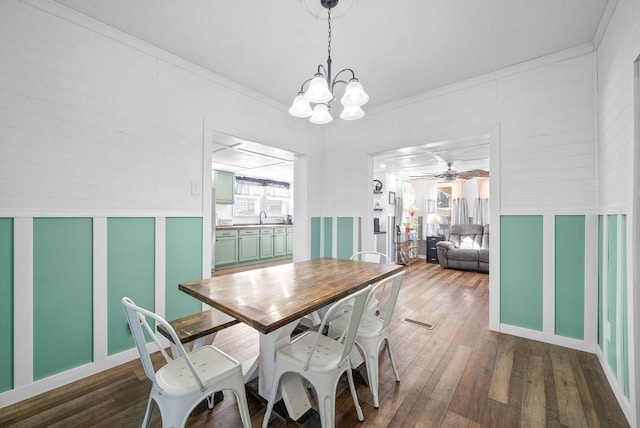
[373, 330]
[322, 360]
[373, 257]
[187, 378]
[370, 256]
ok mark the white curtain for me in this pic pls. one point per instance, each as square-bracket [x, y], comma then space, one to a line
[482, 202]
[459, 213]
[249, 186]
[431, 205]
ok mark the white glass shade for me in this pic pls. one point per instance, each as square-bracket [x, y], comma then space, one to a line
[354, 95]
[318, 91]
[351, 113]
[321, 115]
[300, 107]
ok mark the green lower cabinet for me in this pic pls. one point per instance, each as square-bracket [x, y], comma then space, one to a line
[279, 242]
[266, 246]
[248, 248]
[226, 247]
[239, 247]
[289, 242]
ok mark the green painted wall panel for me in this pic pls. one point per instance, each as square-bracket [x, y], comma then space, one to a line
[625, 319]
[183, 263]
[315, 238]
[612, 278]
[521, 271]
[600, 283]
[569, 275]
[344, 238]
[6, 304]
[328, 237]
[130, 272]
[62, 294]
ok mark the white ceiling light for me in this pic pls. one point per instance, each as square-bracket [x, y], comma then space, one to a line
[320, 89]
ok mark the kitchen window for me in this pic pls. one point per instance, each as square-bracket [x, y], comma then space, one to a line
[253, 195]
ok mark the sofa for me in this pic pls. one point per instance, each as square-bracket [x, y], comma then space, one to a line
[466, 248]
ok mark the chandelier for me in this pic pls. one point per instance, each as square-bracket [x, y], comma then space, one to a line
[320, 89]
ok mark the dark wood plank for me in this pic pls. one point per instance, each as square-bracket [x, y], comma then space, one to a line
[198, 325]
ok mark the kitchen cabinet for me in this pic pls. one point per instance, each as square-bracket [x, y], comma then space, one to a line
[245, 245]
[224, 182]
[266, 243]
[226, 247]
[248, 245]
[289, 243]
[279, 242]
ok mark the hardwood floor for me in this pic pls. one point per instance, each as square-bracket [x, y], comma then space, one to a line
[458, 374]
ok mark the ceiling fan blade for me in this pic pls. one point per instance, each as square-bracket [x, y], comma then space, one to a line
[480, 173]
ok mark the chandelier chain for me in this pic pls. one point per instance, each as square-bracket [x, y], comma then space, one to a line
[329, 36]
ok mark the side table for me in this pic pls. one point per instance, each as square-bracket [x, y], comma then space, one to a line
[432, 251]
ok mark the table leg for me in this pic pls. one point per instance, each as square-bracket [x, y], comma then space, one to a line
[292, 390]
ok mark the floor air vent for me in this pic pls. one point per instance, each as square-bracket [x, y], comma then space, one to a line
[420, 323]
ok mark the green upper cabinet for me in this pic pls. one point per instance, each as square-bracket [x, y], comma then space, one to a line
[224, 182]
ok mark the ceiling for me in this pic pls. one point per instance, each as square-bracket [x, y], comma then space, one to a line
[428, 160]
[251, 159]
[397, 49]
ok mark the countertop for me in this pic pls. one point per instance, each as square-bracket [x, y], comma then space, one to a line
[254, 226]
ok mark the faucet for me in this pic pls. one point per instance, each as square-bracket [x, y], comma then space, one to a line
[265, 217]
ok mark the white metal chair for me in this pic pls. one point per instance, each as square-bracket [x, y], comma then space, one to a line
[373, 331]
[314, 318]
[322, 360]
[370, 256]
[188, 378]
[373, 257]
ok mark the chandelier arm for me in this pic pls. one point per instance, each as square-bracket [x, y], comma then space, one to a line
[335, 79]
[321, 71]
[304, 83]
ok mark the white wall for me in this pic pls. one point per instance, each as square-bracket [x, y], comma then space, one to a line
[546, 114]
[94, 121]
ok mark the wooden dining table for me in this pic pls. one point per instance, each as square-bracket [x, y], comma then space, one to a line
[273, 299]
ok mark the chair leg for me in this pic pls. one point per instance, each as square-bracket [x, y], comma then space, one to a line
[326, 408]
[393, 363]
[372, 374]
[352, 387]
[243, 407]
[272, 398]
[147, 415]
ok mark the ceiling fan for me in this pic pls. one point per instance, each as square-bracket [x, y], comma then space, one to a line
[453, 174]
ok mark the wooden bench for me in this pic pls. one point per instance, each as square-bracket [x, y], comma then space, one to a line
[200, 327]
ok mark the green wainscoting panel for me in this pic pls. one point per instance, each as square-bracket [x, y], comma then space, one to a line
[610, 240]
[601, 282]
[6, 304]
[625, 319]
[62, 294]
[130, 272]
[344, 238]
[612, 298]
[569, 275]
[183, 263]
[328, 237]
[521, 271]
[316, 238]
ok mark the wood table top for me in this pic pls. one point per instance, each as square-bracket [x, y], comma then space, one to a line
[271, 297]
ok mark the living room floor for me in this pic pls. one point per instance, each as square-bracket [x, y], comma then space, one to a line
[457, 374]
